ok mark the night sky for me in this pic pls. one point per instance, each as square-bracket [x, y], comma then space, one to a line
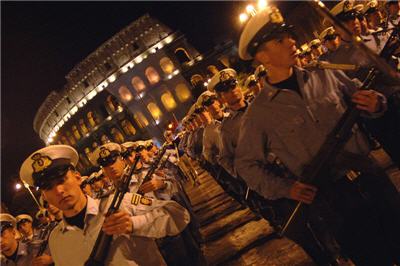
[42, 41]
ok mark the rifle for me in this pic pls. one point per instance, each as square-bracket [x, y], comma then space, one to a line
[341, 133]
[154, 166]
[44, 235]
[102, 245]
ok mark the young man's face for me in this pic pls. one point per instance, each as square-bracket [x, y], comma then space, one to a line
[25, 227]
[8, 243]
[353, 25]
[65, 192]
[232, 96]
[332, 44]
[215, 109]
[43, 219]
[255, 89]
[115, 170]
[131, 158]
[394, 9]
[375, 18]
[278, 52]
[98, 185]
[87, 189]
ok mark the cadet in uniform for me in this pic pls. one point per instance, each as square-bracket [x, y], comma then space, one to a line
[260, 74]
[13, 252]
[43, 217]
[316, 48]
[291, 118]
[226, 87]
[330, 39]
[109, 157]
[253, 87]
[393, 10]
[387, 128]
[134, 226]
[373, 15]
[25, 227]
[86, 187]
[211, 140]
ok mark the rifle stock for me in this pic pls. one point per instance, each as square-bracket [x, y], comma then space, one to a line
[102, 245]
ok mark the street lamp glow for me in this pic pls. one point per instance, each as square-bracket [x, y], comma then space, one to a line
[18, 186]
[243, 17]
[250, 10]
[262, 4]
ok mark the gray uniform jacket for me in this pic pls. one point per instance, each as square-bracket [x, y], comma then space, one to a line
[230, 128]
[293, 128]
[211, 142]
[69, 245]
[24, 258]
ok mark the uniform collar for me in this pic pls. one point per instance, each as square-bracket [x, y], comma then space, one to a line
[92, 209]
[22, 250]
[271, 92]
[233, 113]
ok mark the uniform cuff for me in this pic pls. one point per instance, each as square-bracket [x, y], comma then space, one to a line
[137, 223]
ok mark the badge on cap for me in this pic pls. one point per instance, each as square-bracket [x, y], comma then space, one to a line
[104, 152]
[275, 16]
[225, 75]
[347, 5]
[40, 162]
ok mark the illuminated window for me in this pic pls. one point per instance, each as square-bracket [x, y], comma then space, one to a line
[182, 55]
[125, 94]
[71, 138]
[87, 151]
[154, 110]
[64, 140]
[76, 133]
[183, 92]
[168, 101]
[104, 139]
[110, 104]
[138, 84]
[166, 65]
[152, 75]
[140, 119]
[92, 118]
[128, 127]
[117, 135]
[83, 127]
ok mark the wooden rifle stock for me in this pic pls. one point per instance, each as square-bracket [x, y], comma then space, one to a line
[102, 245]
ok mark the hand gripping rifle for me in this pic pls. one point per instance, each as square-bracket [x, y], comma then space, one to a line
[341, 133]
[102, 245]
[154, 166]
